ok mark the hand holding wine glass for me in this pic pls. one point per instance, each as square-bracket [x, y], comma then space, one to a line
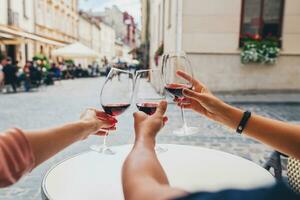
[201, 100]
[148, 96]
[147, 126]
[99, 121]
[174, 85]
[115, 98]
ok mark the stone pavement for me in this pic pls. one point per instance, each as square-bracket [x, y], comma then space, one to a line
[63, 102]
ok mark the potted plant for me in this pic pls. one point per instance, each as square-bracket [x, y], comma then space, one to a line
[256, 49]
[42, 61]
[159, 52]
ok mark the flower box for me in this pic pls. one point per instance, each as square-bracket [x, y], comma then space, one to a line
[258, 50]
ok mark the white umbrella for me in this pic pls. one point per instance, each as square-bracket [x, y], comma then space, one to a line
[76, 50]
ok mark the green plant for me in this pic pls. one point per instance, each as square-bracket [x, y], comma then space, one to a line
[258, 50]
[159, 52]
[42, 61]
[69, 62]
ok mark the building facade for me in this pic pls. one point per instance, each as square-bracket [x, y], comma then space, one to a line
[56, 20]
[122, 22]
[209, 32]
[107, 38]
[17, 29]
[89, 32]
[97, 35]
[30, 27]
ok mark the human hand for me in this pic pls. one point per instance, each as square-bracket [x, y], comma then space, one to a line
[148, 126]
[201, 100]
[98, 122]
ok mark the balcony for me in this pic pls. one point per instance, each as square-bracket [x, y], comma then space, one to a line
[13, 18]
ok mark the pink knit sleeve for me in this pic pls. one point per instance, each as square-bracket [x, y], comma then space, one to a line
[16, 157]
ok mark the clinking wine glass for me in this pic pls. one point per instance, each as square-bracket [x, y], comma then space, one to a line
[149, 91]
[115, 98]
[174, 85]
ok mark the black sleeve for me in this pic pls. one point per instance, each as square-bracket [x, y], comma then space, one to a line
[277, 192]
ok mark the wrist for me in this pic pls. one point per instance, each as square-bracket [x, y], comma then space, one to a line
[87, 128]
[231, 116]
[145, 138]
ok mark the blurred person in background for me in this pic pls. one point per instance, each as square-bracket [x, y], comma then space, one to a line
[55, 70]
[2, 64]
[26, 76]
[10, 74]
[35, 74]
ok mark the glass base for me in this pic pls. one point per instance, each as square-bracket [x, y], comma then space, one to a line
[186, 131]
[102, 149]
[159, 149]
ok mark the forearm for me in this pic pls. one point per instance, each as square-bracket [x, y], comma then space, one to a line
[143, 176]
[279, 135]
[149, 165]
[142, 168]
[47, 143]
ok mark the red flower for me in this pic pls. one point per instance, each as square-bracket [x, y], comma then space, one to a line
[248, 35]
[256, 37]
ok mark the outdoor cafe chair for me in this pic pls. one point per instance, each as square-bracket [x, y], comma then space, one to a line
[293, 169]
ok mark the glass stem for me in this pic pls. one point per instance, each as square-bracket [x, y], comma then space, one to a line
[183, 118]
[105, 139]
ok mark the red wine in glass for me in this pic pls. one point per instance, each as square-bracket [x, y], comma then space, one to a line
[177, 89]
[115, 97]
[173, 62]
[147, 96]
[148, 108]
[115, 109]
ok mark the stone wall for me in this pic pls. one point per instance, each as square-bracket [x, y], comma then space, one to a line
[211, 38]
[221, 72]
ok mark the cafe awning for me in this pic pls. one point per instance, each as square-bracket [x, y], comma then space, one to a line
[76, 50]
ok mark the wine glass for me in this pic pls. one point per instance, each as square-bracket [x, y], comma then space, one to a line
[174, 85]
[115, 98]
[148, 95]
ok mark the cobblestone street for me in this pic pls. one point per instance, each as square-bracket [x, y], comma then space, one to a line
[63, 102]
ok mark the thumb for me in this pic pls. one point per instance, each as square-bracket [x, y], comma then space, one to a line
[138, 116]
[162, 108]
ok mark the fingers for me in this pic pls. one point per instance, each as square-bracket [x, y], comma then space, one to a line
[105, 131]
[184, 105]
[165, 120]
[189, 78]
[162, 108]
[101, 114]
[139, 116]
[101, 133]
[192, 94]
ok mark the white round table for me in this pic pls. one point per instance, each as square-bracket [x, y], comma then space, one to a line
[95, 176]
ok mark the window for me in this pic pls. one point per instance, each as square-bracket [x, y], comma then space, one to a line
[170, 14]
[262, 17]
